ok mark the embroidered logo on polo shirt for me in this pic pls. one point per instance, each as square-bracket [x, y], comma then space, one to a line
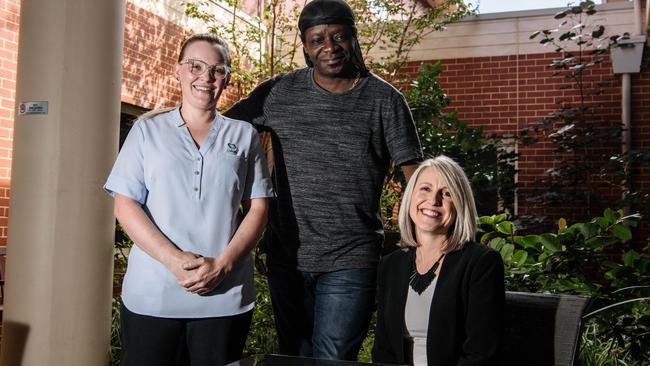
[232, 148]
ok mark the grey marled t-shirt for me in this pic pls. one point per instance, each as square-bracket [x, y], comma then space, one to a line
[331, 153]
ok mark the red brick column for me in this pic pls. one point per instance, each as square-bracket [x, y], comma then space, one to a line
[9, 20]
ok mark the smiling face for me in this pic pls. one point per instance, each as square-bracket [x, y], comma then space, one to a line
[201, 91]
[432, 210]
[329, 47]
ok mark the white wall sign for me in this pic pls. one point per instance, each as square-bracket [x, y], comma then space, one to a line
[32, 108]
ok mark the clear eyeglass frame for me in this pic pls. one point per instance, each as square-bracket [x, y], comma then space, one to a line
[198, 68]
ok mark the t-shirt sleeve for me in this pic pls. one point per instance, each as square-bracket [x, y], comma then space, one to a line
[258, 181]
[251, 108]
[127, 176]
[400, 132]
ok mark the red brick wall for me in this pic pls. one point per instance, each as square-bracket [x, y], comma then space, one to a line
[504, 94]
[9, 20]
[641, 131]
[151, 46]
[150, 50]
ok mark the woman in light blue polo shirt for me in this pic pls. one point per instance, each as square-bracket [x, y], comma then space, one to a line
[178, 183]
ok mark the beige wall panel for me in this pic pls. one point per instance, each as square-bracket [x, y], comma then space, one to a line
[507, 33]
[60, 253]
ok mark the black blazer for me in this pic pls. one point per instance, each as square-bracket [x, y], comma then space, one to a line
[465, 319]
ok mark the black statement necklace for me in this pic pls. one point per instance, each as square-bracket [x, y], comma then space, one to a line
[420, 282]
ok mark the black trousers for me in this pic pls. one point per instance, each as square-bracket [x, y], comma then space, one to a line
[149, 340]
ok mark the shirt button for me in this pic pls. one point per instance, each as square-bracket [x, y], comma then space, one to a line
[196, 172]
[198, 159]
[195, 189]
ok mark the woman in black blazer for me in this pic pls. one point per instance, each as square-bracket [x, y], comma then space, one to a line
[440, 298]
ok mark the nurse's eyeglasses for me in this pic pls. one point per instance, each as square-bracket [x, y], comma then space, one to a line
[198, 68]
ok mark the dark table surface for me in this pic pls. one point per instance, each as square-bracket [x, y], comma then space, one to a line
[279, 360]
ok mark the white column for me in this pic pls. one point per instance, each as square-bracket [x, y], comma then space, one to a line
[60, 246]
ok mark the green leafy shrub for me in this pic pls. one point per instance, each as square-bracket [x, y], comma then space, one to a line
[262, 338]
[120, 255]
[587, 259]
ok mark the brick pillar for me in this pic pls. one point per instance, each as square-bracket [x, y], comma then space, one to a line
[9, 14]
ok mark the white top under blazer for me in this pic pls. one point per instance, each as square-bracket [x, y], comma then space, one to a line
[416, 317]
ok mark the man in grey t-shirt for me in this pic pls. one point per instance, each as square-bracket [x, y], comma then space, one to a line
[335, 128]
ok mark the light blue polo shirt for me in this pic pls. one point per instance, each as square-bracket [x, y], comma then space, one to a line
[193, 196]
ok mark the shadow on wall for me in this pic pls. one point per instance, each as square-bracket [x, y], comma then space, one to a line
[15, 338]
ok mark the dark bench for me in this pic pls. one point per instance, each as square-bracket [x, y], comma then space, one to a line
[542, 329]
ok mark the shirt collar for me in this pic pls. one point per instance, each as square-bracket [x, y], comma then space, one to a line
[218, 119]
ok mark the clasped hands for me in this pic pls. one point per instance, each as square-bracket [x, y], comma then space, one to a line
[200, 275]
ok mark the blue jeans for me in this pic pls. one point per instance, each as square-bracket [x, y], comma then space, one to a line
[324, 314]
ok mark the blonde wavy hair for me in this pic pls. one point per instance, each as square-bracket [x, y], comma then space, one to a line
[465, 223]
